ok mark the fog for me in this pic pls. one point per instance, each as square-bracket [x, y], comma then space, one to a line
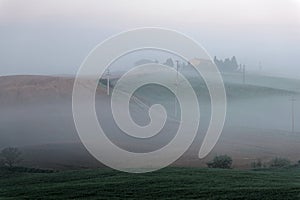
[51, 39]
[258, 122]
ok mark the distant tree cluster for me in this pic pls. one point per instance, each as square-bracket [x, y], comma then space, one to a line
[221, 161]
[227, 65]
[258, 164]
[277, 162]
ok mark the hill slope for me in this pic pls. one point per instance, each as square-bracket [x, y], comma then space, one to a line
[36, 116]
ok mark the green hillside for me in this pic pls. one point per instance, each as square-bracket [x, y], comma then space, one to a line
[170, 183]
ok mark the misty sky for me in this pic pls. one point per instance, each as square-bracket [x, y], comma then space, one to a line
[53, 36]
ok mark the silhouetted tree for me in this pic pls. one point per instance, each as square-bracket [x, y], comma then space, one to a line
[228, 65]
[10, 156]
[257, 164]
[222, 161]
[234, 64]
[280, 162]
[169, 62]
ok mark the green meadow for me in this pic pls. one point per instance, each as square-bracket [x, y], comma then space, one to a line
[169, 183]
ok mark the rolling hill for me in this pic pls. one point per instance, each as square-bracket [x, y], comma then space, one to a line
[36, 116]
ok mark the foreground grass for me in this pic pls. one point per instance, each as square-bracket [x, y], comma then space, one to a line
[170, 183]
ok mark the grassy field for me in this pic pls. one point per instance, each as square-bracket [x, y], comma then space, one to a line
[169, 183]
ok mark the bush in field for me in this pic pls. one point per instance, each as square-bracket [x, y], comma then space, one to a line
[222, 161]
[257, 164]
[279, 162]
[10, 156]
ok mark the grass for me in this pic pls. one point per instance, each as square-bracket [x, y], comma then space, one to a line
[169, 183]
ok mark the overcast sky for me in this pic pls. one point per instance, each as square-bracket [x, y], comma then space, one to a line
[54, 36]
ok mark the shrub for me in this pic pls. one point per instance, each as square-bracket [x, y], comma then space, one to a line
[257, 164]
[10, 156]
[279, 162]
[222, 161]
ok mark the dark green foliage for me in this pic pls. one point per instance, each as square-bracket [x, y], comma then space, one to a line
[280, 162]
[228, 65]
[222, 161]
[10, 156]
[257, 164]
[170, 183]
